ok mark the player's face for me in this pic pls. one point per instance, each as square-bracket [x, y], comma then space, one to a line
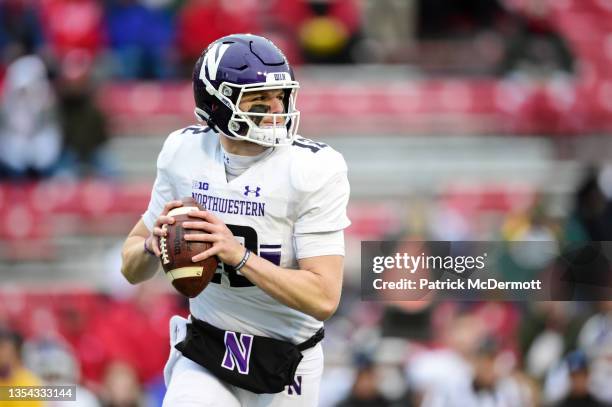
[265, 101]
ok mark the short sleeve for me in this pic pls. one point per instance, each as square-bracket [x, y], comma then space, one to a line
[319, 244]
[162, 191]
[324, 209]
[160, 195]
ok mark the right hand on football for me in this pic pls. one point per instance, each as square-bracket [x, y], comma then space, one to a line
[158, 230]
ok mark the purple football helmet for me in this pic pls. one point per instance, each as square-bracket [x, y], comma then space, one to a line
[237, 64]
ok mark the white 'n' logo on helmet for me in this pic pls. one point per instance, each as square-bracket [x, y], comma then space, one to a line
[212, 60]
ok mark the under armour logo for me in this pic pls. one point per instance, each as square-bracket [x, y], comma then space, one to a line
[237, 352]
[248, 190]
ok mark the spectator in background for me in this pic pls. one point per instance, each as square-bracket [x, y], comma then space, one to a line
[57, 366]
[121, 387]
[488, 386]
[203, 21]
[445, 366]
[30, 138]
[75, 316]
[595, 340]
[584, 271]
[548, 330]
[12, 371]
[327, 31]
[579, 394]
[20, 29]
[442, 19]
[365, 392]
[591, 218]
[141, 36]
[73, 25]
[124, 324]
[531, 242]
[535, 47]
[83, 124]
[391, 25]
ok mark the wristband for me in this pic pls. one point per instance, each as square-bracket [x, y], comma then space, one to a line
[146, 248]
[245, 258]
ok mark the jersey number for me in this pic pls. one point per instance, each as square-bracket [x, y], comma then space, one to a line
[196, 130]
[309, 144]
[250, 241]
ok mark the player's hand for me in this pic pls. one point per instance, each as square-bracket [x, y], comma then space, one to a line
[158, 227]
[224, 244]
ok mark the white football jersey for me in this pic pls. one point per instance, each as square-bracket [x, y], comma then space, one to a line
[298, 189]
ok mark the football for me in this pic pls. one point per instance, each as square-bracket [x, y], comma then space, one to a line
[187, 277]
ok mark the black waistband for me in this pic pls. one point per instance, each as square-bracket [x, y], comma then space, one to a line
[312, 341]
[307, 344]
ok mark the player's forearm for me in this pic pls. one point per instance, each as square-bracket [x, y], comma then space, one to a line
[302, 290]
[137, 265]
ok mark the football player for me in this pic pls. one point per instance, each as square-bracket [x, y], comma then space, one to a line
[275, 211]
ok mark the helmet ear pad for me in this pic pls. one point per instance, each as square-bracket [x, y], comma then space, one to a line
[220, 114]
[242, 127]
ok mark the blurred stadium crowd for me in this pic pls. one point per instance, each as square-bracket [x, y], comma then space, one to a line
[459, 120]
[159, 39]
